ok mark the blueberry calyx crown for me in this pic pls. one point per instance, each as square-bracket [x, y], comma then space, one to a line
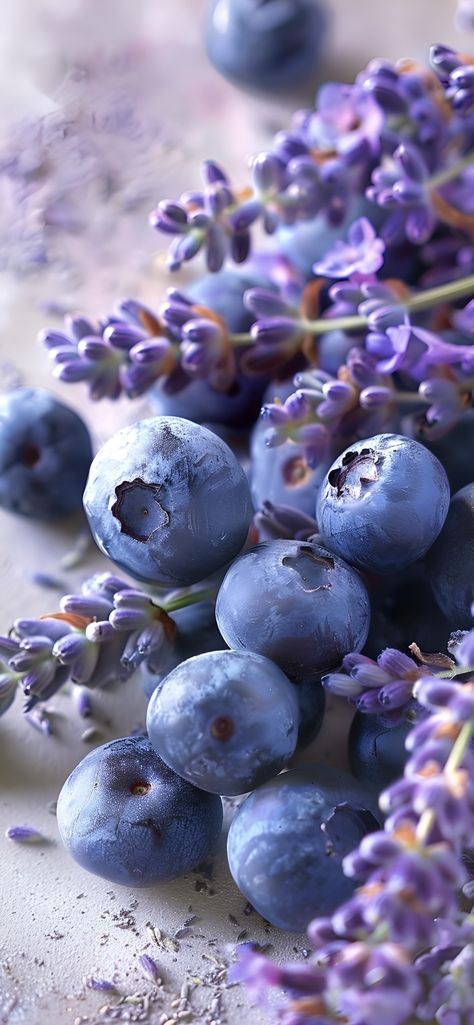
[358, 470]
[310, 568]
[138, 510]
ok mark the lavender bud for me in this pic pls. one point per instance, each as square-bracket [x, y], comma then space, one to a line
[149, 966]
[23, 834]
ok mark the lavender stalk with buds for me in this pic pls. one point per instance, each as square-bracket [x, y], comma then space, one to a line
[98, 638]
[402, 949]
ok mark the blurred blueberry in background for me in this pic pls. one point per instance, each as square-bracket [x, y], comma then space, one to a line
[266, 44]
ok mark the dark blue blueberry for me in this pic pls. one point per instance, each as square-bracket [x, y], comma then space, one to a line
[45, 455]
[124, 815]
[224, 720]
[311, 700]
[296, 603]
[450, 562]
[281, 475]
[377, 753]
[455, 450]
[239, 407]
[333, 348]
[287, 841]
[383, 504]
[167, 500]
[403, 610]
[266, 44]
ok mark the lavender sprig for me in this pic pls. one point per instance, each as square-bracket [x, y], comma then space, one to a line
[96, 639]
[400, 950]
[399, 135]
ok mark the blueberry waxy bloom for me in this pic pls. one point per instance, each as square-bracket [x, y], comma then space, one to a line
[383, 503]
[167, 500]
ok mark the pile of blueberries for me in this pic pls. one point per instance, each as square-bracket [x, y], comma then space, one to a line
[327, 545]
[370, 554]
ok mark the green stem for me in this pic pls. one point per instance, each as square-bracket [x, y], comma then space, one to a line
[183, 600]
[449, 674]
[450, 172]
[241, 339]
[453, 763]
[451, 291]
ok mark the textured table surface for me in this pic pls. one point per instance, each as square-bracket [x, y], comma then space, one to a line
[58, 925]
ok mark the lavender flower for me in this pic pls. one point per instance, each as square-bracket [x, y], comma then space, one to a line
[400, 948]
[214, 220]
[127, 354]
[97, 638]
[377, 686]
[358, 258]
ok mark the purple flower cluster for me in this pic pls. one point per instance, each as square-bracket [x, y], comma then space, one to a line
[215, 219]
[400, 950]
[126, 352]
[398, 136]
[96, 639]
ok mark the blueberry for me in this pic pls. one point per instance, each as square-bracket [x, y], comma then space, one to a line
[224, 720]
[239, 407]
[266, 44]
[383, 504]
[167, 500]
[451, 561]
[377, 753]
[311, 701]
[45, 455]
[333, 348]
[296, 603]
[287, 841]
[281, 475]
[404, 610]
[455, 450]
[124, 815]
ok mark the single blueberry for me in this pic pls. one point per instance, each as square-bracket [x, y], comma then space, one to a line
[383, 503]
[124, 815]
[377, 752]
[296, 603]
[403, 610]
[224, 720]
[287, 841]
[167, 500]
[45, 455]
[266, 44]
[450, 562]
[281, 475]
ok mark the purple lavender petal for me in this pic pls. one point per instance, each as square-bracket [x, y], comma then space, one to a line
[23, 834]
